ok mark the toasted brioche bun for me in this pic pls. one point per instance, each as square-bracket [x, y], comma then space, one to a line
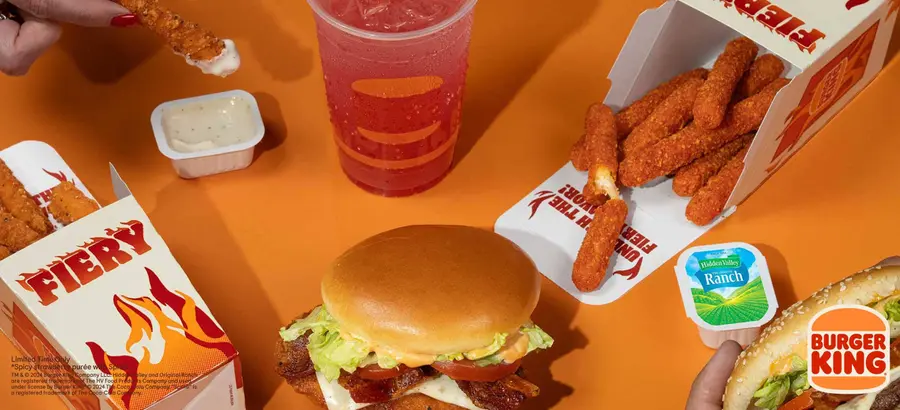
[787, 334]
[309, 387]
[432, 290]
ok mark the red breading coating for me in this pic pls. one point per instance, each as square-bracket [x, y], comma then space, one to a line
[185, 37]
[666, 119]
[579, 155]
[689, 179]
[630, 117]
[763, 71]
[693, 142]
[599, 245]
[68, 204]
[712, 101]
[15, 234]
[711, 199]
[19, 203]
[602, 147]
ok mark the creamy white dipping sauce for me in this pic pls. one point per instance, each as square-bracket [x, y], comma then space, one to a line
[210, 124]
[222, 65]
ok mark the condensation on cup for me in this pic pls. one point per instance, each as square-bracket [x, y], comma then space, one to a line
[727, 291]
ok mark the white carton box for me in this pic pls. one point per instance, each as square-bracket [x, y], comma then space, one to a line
[834, 48]
[102, 311]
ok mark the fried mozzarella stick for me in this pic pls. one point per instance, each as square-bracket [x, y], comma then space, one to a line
[4, 253]
[15, 234]
[602, 147]
[716, 93]
[68, 204]
[763, 71]
[669, 117]
[630, 117]
[199, 47]
[693, 142]
[710, 200]
[599, 245]
[689, 179]
[579, 155]
[17, 202]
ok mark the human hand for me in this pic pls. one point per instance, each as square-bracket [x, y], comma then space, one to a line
[22, 42]
[709, 386]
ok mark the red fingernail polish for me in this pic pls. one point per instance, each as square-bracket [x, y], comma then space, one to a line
[125, 20]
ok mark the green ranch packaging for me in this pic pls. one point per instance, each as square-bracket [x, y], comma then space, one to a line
[727, 292]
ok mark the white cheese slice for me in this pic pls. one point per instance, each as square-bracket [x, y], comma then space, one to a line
[866, 402]
[442, 389]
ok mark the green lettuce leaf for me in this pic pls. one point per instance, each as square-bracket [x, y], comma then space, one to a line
[329, 351]
[537, 338]
[499, 341]
[776, 389]
[892, 310]
[452, 357]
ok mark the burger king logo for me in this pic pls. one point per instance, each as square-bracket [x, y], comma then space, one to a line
[848, 350]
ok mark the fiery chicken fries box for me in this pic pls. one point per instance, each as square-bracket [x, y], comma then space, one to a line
[101, 312]
[831, 49]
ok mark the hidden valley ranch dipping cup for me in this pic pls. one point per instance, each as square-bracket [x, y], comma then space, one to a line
[394, 78]
[727, 292]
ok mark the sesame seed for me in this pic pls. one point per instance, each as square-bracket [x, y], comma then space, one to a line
[869, 277]
[740, 380]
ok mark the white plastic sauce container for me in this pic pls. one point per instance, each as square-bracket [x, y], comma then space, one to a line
[727, 291]
[209, 134]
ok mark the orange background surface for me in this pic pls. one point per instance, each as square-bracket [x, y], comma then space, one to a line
[256, 242]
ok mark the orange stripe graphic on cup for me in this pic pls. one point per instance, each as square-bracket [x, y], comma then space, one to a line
[397, 87]
[397, 164]
[402, 138]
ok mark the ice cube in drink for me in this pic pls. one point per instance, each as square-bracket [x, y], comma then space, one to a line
[394, 16]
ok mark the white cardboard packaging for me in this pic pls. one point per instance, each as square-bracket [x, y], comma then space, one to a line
[104, 313]
[213, 161]
[834, 49]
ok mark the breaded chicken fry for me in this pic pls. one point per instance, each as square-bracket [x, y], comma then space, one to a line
[18, 203]
[579, 155]
[711, 199]
[630, 117]
[15, 234]
[689, 179]
[602, 147]
[599, 245]
[666, 119]
[763, 71]
[712, 101]
[68, 204]
[694, 142]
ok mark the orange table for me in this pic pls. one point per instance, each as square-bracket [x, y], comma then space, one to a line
[256, 242]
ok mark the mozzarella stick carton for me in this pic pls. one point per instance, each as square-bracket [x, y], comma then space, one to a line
[831, 49]
[103, 315]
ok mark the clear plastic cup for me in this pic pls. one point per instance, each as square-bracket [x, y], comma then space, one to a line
[395, 97]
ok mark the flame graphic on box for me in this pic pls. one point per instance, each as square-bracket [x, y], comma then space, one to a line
[189, 344]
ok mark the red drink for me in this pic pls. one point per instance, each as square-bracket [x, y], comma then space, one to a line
[394, 76]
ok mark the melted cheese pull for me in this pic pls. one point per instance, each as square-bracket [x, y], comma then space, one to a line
[442, 389]
[866, 402]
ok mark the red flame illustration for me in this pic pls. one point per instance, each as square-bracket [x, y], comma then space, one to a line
[192, 344]
[853, 3]
[631, 273]
[542, 197]
[23, 280]
[60, 176]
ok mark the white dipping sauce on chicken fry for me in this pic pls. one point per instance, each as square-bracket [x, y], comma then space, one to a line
[210, 124]
[222, 65]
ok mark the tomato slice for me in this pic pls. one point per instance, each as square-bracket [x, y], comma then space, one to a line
[467, 370]
[375, 372]
[801, 402]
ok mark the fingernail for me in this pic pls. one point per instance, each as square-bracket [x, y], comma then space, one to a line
[125, 20]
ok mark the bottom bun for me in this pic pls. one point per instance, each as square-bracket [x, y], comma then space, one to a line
[309, 386]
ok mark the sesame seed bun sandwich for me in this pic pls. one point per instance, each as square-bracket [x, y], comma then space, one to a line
[421, 317]
[772, 372]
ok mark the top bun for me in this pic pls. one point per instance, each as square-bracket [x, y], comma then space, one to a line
[432, 290]
[787, 334]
